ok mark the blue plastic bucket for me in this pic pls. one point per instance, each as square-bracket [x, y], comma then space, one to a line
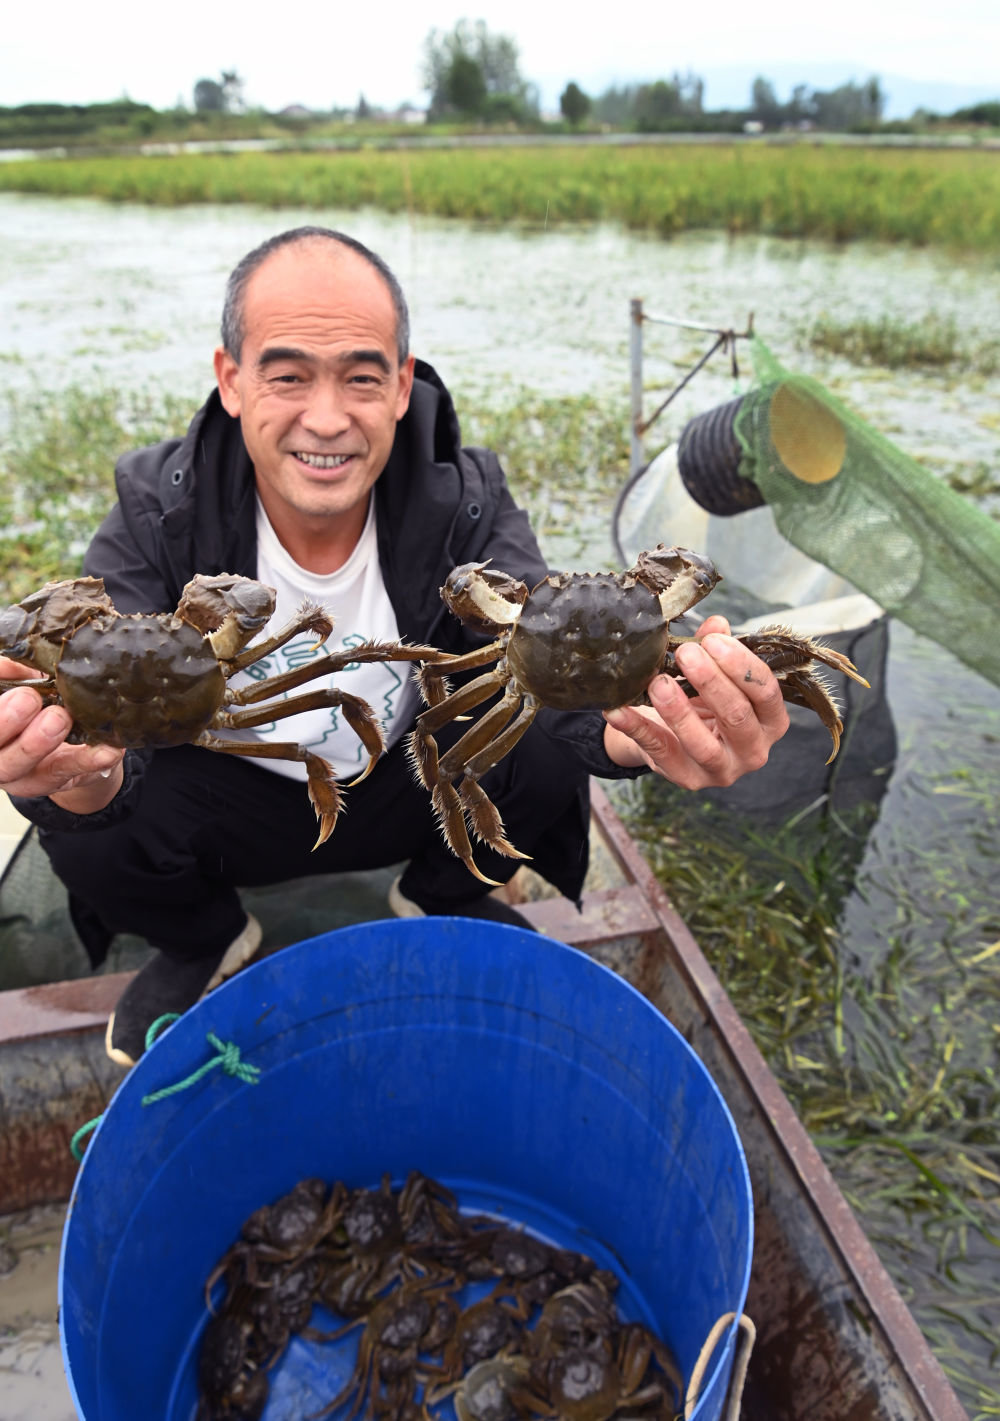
[532, 1081]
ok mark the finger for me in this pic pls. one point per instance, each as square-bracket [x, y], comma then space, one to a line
[702, 756]
[711, 624]
[18, 708]
[34, 758]
[671, 736]
[641, 736]
[736, 686]
[14, 671]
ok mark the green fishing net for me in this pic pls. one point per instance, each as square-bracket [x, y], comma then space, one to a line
[846, 496]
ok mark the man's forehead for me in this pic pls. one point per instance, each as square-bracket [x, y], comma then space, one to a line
[318, 285]
[320, 265]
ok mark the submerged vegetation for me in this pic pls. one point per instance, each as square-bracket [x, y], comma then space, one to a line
[932, 341]
[884, 1039]
[947, 198]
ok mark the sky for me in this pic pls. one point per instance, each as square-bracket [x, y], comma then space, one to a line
[324, 55]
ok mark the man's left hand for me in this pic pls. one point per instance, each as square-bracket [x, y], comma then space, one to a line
[724, 732]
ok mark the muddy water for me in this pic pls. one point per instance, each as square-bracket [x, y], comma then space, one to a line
[124, 296]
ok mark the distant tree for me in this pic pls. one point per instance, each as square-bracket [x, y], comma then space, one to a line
[617, 106]
[222, 95]
[209, 97]
[574, 104]
[692, 92]
[987, 112]
[465, 86]
[468, 61]
[232, 92]
[764, 104]
[668, 103]
[364, 108]
[849, 106]
[655, 104]
[874, 99]
[800, 107]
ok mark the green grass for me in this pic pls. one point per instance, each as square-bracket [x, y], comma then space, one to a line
[943, 198]
[932, 342]
[57, 475]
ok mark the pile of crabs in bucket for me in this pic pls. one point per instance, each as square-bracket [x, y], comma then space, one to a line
[542, 1337]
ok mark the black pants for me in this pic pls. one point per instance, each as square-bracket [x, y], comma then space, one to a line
[208, 824]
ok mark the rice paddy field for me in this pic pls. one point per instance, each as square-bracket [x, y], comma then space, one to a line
[861, 948]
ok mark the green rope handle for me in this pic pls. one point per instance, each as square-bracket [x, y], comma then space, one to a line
[228, 1057]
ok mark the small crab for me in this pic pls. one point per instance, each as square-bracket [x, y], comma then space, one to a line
[587, 1365]
[577, 641]
[161, 679]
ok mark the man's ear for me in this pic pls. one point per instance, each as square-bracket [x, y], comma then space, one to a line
[227, 374]
[405, 386]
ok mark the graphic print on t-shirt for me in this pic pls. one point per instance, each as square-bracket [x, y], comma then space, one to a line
[326, 731]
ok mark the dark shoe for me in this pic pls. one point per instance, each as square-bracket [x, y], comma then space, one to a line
[493, 909]
[167, 986]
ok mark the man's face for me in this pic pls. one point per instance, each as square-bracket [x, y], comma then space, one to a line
[319, 389]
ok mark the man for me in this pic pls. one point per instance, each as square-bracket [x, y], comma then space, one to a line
[328, 462]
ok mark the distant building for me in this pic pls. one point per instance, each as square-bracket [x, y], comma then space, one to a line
[295, 111]
[753, 125]
[409, 113]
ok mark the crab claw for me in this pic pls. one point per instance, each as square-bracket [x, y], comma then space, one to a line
[483, 599]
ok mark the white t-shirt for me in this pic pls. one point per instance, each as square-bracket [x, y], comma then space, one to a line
[357, 601]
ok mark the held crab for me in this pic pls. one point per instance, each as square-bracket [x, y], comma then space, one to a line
[577, 641]
[158, 680]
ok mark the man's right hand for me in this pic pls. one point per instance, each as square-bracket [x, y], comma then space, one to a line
[35, 758]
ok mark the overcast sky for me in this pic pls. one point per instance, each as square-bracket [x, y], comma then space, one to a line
[325, 54]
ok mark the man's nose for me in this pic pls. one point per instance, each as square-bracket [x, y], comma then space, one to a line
[326, 411]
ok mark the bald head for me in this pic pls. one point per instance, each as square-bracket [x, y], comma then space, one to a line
[234, 308]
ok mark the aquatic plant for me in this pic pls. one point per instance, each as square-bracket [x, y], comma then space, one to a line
[838, 193]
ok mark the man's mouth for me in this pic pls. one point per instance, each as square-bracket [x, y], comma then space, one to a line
[323, 461]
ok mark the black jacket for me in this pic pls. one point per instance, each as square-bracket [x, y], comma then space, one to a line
[188, 505]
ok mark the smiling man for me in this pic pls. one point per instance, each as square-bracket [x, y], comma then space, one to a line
[328, 464]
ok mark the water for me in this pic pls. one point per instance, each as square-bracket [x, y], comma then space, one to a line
[129, 297]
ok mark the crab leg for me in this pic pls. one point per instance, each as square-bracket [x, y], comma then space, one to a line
[801, 688]
[434, 687]
[478, 750]
[310, 617]
[483, 813]
[790, 657]
[422, 746]
[329, 665]
[781, 649]
[451, 818]
[358, 714]
[324, 793]
[492, 753]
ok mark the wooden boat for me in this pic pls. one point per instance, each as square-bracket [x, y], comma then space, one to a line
[834, 1338]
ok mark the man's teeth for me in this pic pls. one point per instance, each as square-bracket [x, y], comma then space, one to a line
[324, 461]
